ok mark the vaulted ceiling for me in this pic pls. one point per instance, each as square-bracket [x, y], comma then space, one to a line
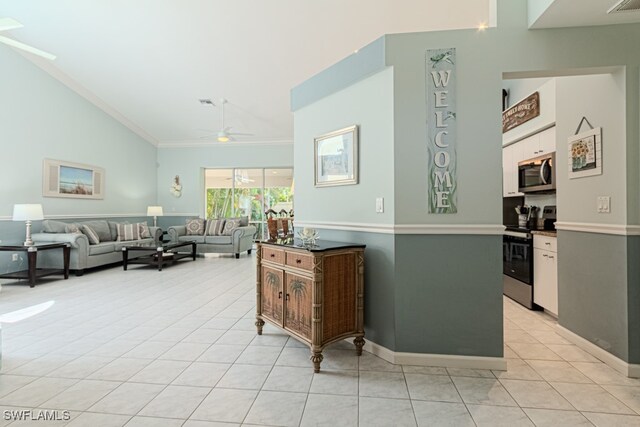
[148, 62]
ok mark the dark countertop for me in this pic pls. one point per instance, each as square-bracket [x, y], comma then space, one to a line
[319, 246]
[548, 233]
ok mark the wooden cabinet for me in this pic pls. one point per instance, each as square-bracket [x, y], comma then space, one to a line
[545, 273]
[315, 295]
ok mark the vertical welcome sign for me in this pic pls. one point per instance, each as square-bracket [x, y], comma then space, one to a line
[441, 130]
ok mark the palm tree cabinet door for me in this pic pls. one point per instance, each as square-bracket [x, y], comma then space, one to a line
[271, 294]
[298, 300]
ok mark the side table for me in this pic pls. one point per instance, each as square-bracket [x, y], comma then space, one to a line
[32, 273]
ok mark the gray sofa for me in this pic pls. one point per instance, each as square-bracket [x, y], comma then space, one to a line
[240, 240]
[83, 254]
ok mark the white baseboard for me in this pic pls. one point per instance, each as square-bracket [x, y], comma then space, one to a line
[628, 369]
[442, 360]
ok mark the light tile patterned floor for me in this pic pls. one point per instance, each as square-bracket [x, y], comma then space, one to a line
[179, 348]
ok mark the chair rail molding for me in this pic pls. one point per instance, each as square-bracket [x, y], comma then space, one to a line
[481, 229]
[615, 229]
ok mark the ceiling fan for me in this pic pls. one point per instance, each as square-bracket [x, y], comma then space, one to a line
[223, 135]
[11, 24]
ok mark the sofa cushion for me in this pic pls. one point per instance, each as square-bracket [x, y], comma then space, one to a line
[51, 226]
[195, 227]
[101, 248]
[101, 228]
[197, 239]
[93, 237]
[145, 233]
[73, 228]
[128, 232]
[113, 229]
[215, 227]
[230, 225]
[218, 240]
[244, 220]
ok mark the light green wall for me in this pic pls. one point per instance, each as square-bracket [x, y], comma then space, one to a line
[41, 118]
[536, 9]
[369, 104]
[189, 162]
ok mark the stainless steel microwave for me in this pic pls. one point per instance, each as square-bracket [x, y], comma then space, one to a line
[537, 174]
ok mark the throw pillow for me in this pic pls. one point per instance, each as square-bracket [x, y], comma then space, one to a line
[72, 228]
[91, 235]
[215, 227]
[230, 225]
[101, 228]
[195, 227]
[145, 233]
[128, 232]
[51, 226]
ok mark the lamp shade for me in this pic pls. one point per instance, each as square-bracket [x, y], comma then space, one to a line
[154, 211]
[27, 212]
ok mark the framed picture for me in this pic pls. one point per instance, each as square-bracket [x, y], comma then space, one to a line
[72, 180]
[336, 158]
[585, 154]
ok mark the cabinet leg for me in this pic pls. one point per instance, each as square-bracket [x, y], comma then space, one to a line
[316, 358]
[359, 343]
[259, 324]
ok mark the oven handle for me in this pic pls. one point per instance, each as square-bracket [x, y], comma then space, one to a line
[542, 168]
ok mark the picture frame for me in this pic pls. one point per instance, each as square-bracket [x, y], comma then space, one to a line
[336, 158]
[585, 154]
[72, 180]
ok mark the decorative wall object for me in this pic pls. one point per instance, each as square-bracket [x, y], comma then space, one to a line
[585, 152]
[336, 158]
[441, 131]
[72, 180]
[522, 112]
[176, 187]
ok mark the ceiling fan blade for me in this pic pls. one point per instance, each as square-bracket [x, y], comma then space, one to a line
[27, 48]
[9, 24]
[240, 134]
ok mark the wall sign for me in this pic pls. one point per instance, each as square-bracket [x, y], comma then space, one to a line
[522, 112]
[585, 154]
[441, 130]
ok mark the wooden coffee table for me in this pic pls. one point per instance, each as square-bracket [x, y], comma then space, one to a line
[33, 272]
[157, 255]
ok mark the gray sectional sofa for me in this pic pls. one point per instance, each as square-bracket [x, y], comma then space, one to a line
[240, 240]
[83, 254]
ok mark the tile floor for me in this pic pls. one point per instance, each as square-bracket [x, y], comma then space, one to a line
[179, 348]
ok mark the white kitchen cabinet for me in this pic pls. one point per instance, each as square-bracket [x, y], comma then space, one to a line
[510, 158]
[547, 141]
[545, 273]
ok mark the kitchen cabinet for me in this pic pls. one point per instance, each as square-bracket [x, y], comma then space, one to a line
[510, 157]
[539, 144]
[314, 294]
[545, 272]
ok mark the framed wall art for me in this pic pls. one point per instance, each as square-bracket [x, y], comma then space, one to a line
[585, 153]
[72, 180]
[336, 158]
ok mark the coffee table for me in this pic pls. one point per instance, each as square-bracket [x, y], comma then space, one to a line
[33, 272]
[157, 255]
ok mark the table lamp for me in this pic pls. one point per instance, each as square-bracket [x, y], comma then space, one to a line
[28, 213]
[155, 212]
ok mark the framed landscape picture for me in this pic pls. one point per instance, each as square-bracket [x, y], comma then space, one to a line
[336, 158]
[72, 180]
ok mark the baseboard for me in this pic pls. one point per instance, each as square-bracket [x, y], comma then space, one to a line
[441, 360]
[628, 369]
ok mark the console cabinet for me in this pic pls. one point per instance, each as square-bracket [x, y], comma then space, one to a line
[314, 294]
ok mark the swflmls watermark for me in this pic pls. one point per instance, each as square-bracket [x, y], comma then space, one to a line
[35, 415]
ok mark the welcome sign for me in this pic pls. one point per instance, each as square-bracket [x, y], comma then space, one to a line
[441, 130]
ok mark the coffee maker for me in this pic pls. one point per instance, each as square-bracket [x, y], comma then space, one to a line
[547, 221]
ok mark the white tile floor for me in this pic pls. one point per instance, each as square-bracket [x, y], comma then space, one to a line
[179, 348]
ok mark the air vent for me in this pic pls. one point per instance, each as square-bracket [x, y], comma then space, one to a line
[206, 101]
[625, 6]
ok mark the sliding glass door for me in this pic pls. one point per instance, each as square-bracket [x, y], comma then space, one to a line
[249, 192]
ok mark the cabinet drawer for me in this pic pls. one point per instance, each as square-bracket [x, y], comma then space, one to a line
[545, 243]
[273, 255]
[298, 260]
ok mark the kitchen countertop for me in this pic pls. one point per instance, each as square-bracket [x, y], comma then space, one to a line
[548, 233]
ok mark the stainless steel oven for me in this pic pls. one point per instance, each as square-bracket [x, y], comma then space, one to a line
[537, 174]
[517, 247]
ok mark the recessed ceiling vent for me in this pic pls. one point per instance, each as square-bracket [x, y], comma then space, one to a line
[625, 6]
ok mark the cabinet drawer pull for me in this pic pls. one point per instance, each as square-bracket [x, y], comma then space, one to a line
[547, 243]
[280, 295]
[551, 257]
[545, 255]
[286, 298]
[273, 255]
[298, 261]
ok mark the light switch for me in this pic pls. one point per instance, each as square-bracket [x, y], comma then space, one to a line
[604, 204]
[380, 205]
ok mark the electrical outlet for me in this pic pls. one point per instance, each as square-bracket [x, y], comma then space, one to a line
[380, 205]
[14, 257]
[604, 204]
